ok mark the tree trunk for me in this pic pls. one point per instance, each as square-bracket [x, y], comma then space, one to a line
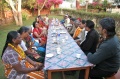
[19, 13]
[39, 9]
[2, 12]
[15, 17]
[20, 18]
[16, 12]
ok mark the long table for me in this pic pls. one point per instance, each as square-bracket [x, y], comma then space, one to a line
[67, 60]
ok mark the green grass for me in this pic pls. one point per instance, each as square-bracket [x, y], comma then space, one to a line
[4, 29]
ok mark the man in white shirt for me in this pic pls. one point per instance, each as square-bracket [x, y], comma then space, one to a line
[67, 21]
[83, 33]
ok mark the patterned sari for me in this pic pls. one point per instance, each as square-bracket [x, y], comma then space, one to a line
[11, 57]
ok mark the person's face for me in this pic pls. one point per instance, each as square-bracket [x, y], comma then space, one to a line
[86, 28]
[30, 30]
[76, 24]
[18, 39]
[102, 31]
[72, 22]
[82, 25]
[25, 34]
[37, 25]
[66, 17]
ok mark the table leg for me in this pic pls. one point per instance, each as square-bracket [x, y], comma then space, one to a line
[63, 74]
[87, 72]
[49, 75]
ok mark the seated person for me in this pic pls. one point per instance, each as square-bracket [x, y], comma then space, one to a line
[91, 41]
[92, 38]
[71, 30]
[67, 21]
[17, 64]
[46, 19]
[24, 32]
[63, 20]
[41, 22]
[39, 34]
[81, 37]
[77, 30]
[32, 44]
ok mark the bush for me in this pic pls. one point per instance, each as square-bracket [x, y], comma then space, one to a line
[25, 16]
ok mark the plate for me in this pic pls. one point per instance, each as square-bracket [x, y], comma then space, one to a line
[49, 55]
[63, 32]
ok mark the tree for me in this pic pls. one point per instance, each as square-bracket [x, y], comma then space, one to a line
[2, 12]
[105, 4]
[47, 4]
[16, 9]
[41, 4]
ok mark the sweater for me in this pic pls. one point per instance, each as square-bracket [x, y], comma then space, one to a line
[107, 56]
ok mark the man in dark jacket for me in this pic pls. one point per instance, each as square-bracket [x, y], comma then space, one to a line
[92, 38]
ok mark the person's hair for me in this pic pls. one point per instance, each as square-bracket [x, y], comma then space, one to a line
[10, 36]
[83, 21]
[34, 23]
[23, 29]
[90, 24]
[39, 16]
[76, 22]
[109, 25]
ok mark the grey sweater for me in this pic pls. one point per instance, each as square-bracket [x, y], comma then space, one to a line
[107, 56]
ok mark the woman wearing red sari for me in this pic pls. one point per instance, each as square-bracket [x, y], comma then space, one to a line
[39, 34]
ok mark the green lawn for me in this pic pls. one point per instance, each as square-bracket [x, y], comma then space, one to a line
[3, 33]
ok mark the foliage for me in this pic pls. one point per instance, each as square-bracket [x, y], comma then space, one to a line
[83, 13]
[49, 3]
[105, 3]
[28, 4]
[25, 16]
[33, 4]
[97, 5]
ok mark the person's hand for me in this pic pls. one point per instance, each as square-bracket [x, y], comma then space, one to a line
[36, 56]
[78, 42]
[38, 66]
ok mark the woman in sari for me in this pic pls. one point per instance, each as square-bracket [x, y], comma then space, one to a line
[39, 34]
[17, 64]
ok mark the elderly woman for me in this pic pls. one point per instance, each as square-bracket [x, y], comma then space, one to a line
[77, 30]
[24, 33]
[17, 64]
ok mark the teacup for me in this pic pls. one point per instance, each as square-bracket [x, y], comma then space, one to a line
[78, 55]
[58, 50]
